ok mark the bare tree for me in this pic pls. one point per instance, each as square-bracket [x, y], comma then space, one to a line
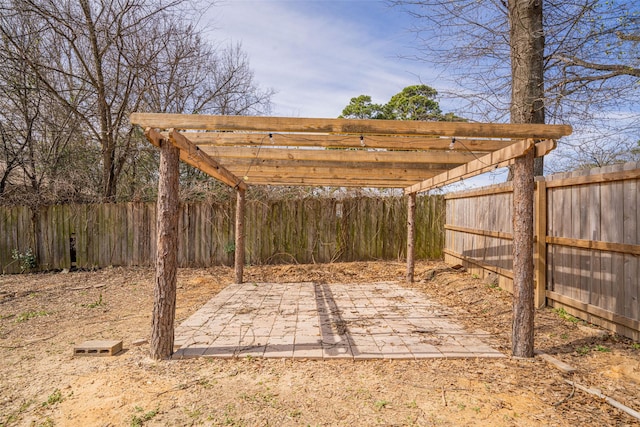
[591, 55]
[99, 61]
[36, 133]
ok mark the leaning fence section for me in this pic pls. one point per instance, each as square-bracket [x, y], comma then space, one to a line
[283, 231]
[587, 241]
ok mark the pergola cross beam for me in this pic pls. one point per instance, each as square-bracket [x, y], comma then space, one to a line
[192, 155]
[497, 159]
[348, 126]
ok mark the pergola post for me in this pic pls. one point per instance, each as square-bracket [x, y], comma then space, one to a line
[411, 236]
[164, 291]
[239, 251]
[523, 289]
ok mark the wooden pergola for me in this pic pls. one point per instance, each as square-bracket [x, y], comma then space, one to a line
[411, 155]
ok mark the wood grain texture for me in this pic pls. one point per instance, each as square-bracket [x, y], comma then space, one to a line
[347, 126]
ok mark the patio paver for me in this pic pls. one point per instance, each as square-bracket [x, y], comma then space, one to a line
[326, 321]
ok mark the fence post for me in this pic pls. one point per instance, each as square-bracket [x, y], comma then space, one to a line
[239, 249]
[411, 235]
[540, 231]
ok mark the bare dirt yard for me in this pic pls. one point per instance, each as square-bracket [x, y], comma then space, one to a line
[42, 317]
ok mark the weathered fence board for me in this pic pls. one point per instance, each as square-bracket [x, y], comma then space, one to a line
[591, 243]
[285, 231]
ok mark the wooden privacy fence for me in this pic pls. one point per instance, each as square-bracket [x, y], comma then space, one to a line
[587, 232]
[303, 231]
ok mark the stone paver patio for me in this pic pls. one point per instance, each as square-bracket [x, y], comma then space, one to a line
[321, 321]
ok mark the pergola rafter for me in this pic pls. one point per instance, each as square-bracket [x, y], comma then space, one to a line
[412, 155]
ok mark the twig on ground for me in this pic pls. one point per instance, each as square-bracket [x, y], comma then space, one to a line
[573, 390]
[82, 288]
[607, 399]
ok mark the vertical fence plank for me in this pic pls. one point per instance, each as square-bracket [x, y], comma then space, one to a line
[540, 233]
[629, 211]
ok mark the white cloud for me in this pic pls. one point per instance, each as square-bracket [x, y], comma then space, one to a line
[317, 55]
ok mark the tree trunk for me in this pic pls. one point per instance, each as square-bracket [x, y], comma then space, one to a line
[523, 289]
[164, 292]
[411, 235]
[239, 254]
[527, 65]
[527, 106]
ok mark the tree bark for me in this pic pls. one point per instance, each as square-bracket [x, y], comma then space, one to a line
[523, 289]
[527, 65]
[411, 235]
[164, 292]
[239, 252]
[527, 106]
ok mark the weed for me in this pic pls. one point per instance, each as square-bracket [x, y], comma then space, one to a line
[461, 406]
[26, 260]
[27, 315]
[204, 383]
[295, 413]
[14, 417]
[602, 349]
[48, 422]
[229, 416]
[635, 346]
[564, 336]
[97, 303]
[476, 408]
[193, 413]
[583, 350]
[566, 316]
[230, 248]
[412, 404]
[380, 404]
[54, 398]
[139, 420]
[475, 276]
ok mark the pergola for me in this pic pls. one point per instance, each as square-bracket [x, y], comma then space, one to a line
[412, 155]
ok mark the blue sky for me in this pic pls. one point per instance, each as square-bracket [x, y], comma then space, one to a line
[319, 54]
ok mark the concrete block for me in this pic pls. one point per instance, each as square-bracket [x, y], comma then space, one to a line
[98, 348]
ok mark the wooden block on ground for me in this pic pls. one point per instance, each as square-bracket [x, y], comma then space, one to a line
[564, 367]
[98, 348]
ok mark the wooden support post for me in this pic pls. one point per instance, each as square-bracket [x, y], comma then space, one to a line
[239, 253]
[411, 235]
[540, 217]
[523, 302]
[164, 292]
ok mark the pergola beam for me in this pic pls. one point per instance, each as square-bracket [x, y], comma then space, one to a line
[406, 175]
[311, 181]
[497, 159]
[235, 165]
[191, 155]
[394, 142]
[348, 126]
[324, 155]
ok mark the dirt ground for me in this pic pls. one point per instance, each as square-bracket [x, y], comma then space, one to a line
[42, 317]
